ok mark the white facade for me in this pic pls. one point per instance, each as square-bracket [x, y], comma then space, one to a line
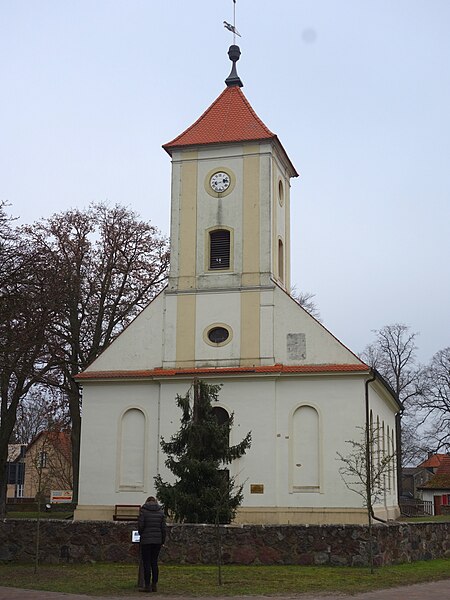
[289, 381]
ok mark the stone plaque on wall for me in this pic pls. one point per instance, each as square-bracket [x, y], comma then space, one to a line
[296, 346]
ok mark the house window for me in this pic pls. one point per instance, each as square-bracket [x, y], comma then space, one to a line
[305, 450]
[393, 469]
[15, 473]
[43, 459]
[280, 261]
[132, 451]
[378, 444]
[221, 415]
[372, 443]
[280, 192]
[219, 249]
[223, 418]
[389, 471]
[218, 335]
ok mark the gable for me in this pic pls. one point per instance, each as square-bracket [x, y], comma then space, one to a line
[301, 339]
[139, 346]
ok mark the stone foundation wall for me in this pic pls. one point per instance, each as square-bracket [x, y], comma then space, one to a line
[85, 541]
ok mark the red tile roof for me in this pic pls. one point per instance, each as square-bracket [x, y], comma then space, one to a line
[442, 478]
[433, 461]
[229, 119]
[58, 439]
[444, 467]
[277, 369]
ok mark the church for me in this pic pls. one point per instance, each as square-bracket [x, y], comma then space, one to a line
[226, 316]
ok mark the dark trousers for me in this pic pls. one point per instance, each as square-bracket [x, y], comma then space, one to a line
[150, 553]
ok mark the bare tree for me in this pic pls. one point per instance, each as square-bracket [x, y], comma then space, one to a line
[435, 400]
[306, 301]
[41, 409]
[27, 308]
[415, 445]
[393, 355]
[110, 264]
[364, 471]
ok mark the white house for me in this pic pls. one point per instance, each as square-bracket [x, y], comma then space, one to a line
[226, 316]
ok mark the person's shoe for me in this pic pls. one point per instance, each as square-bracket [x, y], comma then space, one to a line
[147, 588]
[154, 587]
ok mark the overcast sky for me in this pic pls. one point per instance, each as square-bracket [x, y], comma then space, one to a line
[358, 92]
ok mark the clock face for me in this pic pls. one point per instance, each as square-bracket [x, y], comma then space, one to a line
[220, 182]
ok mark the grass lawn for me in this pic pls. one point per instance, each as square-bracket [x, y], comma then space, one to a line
[119, 579]
[437, 519]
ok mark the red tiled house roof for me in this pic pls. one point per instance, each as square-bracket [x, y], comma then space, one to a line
[275, 369]
[432, 462]
[229, 119]
[440, 481]
[60, 440]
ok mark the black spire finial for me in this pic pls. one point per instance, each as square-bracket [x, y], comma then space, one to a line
[233, 78]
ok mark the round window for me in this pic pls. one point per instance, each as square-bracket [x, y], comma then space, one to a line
[218, 335]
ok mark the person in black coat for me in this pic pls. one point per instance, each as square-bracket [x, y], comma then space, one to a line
[152, 530]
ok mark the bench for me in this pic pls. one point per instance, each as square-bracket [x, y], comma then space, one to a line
[126, 512]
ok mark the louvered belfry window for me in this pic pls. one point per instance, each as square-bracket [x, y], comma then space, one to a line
[219, 249]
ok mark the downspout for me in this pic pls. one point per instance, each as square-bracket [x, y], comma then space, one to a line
[159, 430]
[398, 442]
[368, 453]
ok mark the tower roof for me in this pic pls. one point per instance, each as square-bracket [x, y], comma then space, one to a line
[229, 119]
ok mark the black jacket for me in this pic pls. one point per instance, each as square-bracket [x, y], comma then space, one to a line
[152, 524]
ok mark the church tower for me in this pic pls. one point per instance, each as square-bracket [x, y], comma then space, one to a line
[230, 243]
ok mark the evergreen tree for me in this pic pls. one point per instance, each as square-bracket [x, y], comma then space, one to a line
[203, 491]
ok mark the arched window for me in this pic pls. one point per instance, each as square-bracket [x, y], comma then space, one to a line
[305, 450]
[393, 463]
[132, 450]
[372, 442]
[378, 444]
[219, 249]
[221, 415]
[280, 261]
[280, 193]
[223, 418]
[388, 448]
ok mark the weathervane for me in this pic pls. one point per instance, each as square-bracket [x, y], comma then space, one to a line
[230, 27]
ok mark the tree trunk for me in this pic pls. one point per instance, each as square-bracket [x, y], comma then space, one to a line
[370, 543]
[8, 419]
[3, 483]
[74, 407]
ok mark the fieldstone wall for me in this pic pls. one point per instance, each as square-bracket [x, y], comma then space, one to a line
[86, 541]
